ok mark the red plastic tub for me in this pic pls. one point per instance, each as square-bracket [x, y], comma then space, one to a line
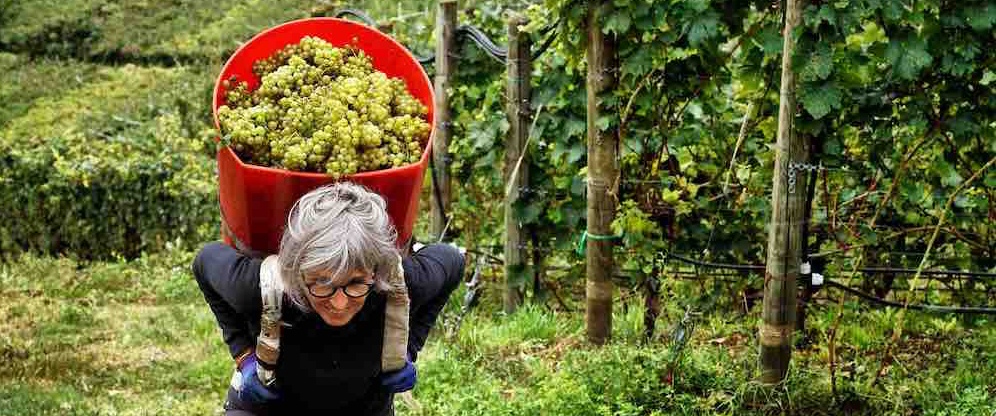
[255, 200]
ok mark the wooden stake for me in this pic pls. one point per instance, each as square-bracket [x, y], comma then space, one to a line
[445, 41]
[787, 222]
[603, 172]
[518, 91]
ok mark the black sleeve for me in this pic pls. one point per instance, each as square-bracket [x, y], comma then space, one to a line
[230, 283]
[432, 274]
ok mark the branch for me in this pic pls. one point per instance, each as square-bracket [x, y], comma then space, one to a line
[898, 329]
[831, 337]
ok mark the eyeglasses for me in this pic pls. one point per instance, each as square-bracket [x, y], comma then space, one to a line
[352, 290]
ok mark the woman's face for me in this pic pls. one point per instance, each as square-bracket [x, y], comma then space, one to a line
[339, 308]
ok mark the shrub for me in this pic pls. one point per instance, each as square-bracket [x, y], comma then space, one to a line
[26, 81]
[109, 168]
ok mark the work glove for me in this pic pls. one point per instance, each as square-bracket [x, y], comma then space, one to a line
[401, 380]
[251, 390]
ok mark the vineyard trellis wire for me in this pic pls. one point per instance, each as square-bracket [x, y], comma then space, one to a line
[481, 39]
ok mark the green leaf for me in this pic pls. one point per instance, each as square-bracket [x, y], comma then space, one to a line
[617, 22]
[991, 181]
[987, 78]
[576, 152]
[832, 147]
[605, 122]
[949, 175]
[703, 27]
[870, 35]
[770, 40]
[981, 18]
[908, 57]
[819, 101]
[963, 201]
[827, 14]
[575, 126]
[820, 64]
[638, 64]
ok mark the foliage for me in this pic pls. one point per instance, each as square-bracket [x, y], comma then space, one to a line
[26, 82]
[114, 167]
[157, 31]
[219, 34]
[890, 93]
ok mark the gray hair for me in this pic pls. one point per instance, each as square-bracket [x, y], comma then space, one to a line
[338, 228]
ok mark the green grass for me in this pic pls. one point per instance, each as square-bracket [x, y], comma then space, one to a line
[135, 337]
[107, 338]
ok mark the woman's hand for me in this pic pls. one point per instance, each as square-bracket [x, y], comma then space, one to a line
[251, 389]
[401, 380]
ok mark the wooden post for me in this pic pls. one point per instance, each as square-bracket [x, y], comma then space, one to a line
[787, 221]
[516, 167]
[445, 41]
[603, 172]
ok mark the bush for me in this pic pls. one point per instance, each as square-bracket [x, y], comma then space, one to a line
[109, 168]
[47, 26]
[160, 31]
[26, 81]
[219, 36]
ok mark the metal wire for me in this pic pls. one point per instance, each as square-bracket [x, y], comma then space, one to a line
[967, 310]
[427, 60]
[484, 42]
[548, 32]
[365, 18]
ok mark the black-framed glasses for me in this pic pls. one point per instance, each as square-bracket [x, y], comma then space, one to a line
[352, 290]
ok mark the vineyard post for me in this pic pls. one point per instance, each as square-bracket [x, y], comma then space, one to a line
[445, 41]
[787, 221]
[603, 174]
[519, 65]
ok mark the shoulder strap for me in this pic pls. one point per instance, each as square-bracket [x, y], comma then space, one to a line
[395, 351]
[271, 291]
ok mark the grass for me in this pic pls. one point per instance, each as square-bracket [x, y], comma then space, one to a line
[107, 338]
[135, 337]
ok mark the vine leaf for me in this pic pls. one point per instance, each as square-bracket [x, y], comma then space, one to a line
[821, 100]
[819, 66]
[702, 28]
[617, 22]
[908, 57]
[981, 18]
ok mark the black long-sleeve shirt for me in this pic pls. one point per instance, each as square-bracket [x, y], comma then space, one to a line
[323, 368]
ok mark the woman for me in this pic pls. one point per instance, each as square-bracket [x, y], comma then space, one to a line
[335, 257]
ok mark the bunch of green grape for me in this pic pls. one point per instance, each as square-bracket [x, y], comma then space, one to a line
[319, 108]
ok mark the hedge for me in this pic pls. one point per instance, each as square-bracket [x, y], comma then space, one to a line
[42, 26]
[220, 35]
[170, 30]
[26, 81]
[113, 168]
[137, 30]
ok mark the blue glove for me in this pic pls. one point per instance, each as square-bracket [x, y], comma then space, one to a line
[401, 380]
[253, 391]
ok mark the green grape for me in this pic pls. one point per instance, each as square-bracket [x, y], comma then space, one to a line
[320, 108]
